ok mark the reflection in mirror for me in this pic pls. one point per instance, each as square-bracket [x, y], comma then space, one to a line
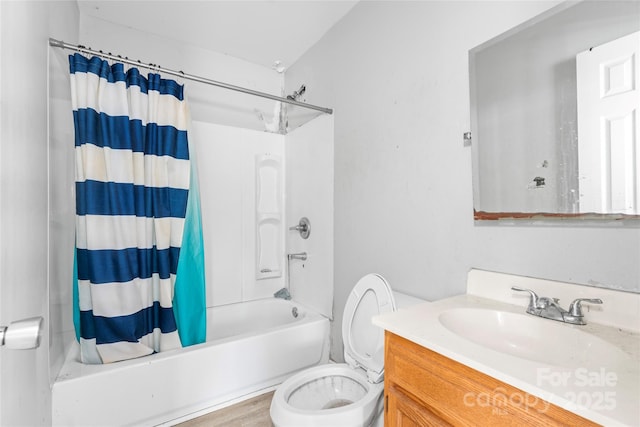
[554, 110]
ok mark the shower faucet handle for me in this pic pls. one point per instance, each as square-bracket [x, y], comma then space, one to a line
[304, 227]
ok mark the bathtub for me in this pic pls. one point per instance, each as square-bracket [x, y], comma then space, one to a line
[251, 347]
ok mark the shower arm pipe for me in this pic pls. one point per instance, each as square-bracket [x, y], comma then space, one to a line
[157, 68]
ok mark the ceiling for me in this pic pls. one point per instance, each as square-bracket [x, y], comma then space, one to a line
[259, 31]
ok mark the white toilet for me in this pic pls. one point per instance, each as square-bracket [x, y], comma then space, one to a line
[344, 394]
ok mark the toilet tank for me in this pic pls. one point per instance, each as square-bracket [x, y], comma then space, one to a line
[403, 300]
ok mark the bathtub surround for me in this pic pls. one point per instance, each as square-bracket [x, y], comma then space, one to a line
[228, 186]
[309, 193]
[229, 207]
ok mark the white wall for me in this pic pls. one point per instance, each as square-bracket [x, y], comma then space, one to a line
[396, 74]
[25, 395]
[226, 158]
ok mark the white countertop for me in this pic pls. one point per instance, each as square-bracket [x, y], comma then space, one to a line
[607, 394]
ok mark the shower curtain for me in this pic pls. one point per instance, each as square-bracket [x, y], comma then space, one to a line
[139, 285]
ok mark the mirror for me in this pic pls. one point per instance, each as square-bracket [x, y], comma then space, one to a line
[554, 115]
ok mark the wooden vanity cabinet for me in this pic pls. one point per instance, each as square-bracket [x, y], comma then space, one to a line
[424, 388]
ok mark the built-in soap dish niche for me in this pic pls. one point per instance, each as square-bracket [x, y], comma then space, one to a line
[269, 220]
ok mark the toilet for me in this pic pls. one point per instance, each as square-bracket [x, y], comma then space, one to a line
[344, 394]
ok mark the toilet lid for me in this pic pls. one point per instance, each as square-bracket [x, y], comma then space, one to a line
[363, 341]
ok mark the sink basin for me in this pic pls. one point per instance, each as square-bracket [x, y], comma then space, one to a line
[532, 338]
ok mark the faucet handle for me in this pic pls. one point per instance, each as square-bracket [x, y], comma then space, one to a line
[533, 301]
[575, 308]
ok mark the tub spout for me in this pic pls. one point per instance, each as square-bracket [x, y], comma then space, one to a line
[283, 293]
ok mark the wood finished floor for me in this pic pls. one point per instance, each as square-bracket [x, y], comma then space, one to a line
[250, 413]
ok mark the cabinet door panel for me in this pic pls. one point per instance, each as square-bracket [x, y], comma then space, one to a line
[403, 411]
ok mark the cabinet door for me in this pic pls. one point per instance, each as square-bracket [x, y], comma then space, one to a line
[403, 411]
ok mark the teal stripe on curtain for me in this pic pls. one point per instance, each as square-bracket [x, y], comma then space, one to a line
[189, 299]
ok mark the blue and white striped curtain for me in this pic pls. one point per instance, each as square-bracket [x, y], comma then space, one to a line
[139, 274]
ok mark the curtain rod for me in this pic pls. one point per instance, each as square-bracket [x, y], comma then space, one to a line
[77, 48]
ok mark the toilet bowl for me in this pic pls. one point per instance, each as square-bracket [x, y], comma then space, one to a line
[344, 394]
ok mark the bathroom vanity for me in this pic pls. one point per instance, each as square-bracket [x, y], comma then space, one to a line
[424, 388]
[479, 359]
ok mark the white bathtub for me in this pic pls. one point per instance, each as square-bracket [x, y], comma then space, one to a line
[251, 347]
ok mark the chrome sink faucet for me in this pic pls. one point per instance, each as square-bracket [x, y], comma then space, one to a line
[548, 308]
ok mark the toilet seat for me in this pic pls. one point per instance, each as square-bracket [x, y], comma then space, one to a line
[363, 341]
